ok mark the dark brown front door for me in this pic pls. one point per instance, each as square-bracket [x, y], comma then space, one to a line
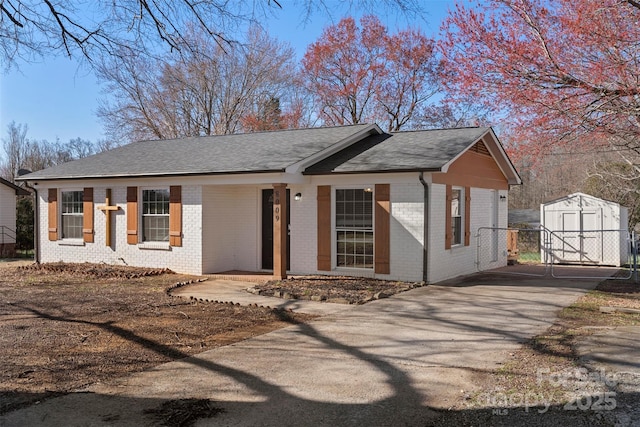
[267, 229]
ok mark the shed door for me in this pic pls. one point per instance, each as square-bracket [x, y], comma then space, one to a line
[591, 237]
[579, 238]
[569, 238]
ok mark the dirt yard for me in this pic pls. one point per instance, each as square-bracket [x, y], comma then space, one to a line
[65, 326]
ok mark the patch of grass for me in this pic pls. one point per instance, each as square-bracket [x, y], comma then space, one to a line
[528, 370]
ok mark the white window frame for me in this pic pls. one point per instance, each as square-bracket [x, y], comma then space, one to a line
[153, 244]
[62, 214]
[461, 215]
[337, 229]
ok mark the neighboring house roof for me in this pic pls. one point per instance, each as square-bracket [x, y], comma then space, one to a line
[524, 216]
[330, 150]
[18, 190]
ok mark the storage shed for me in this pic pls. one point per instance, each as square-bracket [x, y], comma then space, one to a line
[584, 229]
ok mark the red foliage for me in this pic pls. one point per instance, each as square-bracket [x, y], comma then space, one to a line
[366, 74]
[562, 72]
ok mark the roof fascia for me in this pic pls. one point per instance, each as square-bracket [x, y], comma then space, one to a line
[333, 149]
[18, 190]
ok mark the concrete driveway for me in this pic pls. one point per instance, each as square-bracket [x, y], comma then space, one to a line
[385, 363]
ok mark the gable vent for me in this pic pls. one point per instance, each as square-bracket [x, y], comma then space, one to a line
[480, 148]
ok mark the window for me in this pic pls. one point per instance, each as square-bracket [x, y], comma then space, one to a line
[457, 206]
[72, 210]
[155, 215]
[354, 228]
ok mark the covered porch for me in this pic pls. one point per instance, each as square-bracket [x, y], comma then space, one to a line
[245, 228]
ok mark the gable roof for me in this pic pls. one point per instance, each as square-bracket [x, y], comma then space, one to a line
[427, 150]
[313, 151]
[221, 154]
[18, 190]
[579, 196]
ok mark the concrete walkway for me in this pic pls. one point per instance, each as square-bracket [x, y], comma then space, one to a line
[385, 363]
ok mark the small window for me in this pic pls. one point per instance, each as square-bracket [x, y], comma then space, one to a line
[155, 215]
[354, 228]
[457, 208]
[72, 210]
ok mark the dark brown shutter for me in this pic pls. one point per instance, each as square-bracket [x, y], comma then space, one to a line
[175, 215]
[324, 227]
[87, 214]
[467, 216]
[132, 215]
[447, 218]
[53, 213]
[382, 229]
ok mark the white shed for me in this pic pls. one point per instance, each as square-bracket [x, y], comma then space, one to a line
[586, 230]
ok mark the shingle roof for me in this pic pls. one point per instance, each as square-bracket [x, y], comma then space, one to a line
[240, 153]
[427, 150]
[400, 151]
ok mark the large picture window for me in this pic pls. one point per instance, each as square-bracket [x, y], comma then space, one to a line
[457, 207]
[354, 228]
[155, 215]
[72, 210]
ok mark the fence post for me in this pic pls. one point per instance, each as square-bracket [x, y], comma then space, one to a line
[634, 244]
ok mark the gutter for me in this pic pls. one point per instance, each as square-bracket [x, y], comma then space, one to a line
[425, 222]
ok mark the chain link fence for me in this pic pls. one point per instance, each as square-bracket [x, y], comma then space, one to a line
[542, 252]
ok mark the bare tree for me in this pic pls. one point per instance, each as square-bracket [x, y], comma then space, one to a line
[24, 153]
[30, 29]
[205, 92]
[14, 148]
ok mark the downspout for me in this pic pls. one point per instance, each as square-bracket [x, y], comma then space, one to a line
[36, 224]
[425, 245]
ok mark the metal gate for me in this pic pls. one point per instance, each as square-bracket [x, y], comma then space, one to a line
[542, 252]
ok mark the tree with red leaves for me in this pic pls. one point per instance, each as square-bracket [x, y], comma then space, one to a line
[563, 72]
[364, 74]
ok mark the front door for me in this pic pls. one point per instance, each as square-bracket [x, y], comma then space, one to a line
[267, 229]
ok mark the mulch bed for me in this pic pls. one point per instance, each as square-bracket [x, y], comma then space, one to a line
[335, 289]
[97, 270]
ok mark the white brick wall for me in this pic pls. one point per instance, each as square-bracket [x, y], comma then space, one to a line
[406, 229]
[222, 230]
[459, 260]
[304, 231]
[7, 212]
[231, 227]
[407, 232]
[185, 259]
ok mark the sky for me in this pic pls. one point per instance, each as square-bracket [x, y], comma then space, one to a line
[57, 99]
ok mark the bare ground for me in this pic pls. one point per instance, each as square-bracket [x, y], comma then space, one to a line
[68, 325]
[65, 326]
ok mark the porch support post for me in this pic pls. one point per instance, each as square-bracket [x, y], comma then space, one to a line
[280, 231]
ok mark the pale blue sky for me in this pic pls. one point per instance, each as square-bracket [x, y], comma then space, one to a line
[56, 99]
